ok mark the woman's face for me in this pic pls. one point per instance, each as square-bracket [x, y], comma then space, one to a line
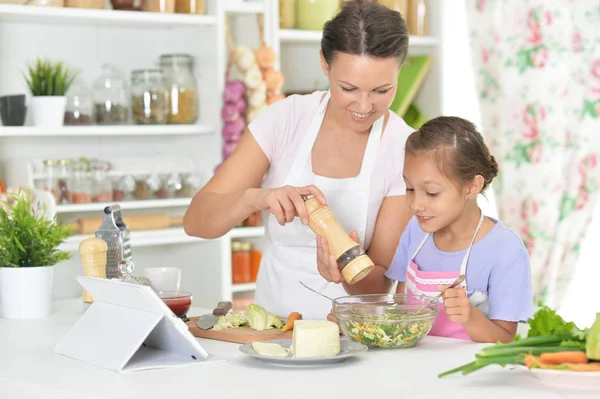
[362, 87]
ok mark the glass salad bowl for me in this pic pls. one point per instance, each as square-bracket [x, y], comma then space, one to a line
[386, 321]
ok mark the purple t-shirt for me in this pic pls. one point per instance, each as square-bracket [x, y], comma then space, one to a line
[498, 266]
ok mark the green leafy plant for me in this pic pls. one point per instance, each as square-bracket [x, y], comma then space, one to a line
[48, 78]
[27, 237]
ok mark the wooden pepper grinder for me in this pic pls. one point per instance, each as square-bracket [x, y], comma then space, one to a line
[353, 262]
[93, 260]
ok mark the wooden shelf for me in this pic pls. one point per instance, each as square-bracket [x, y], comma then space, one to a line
[80, 16]
[314, 36]
[101, 131]
[147, 204]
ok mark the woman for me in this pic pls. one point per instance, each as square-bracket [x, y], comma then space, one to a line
[343, 146]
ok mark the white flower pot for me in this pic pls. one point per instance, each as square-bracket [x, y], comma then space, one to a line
[48, 111]
[26, 292]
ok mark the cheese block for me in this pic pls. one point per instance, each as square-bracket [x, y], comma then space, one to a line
[269, 349]
[315, 338]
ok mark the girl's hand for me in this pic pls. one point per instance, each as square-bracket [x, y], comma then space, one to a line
[326, 263]
[456, 304]
[285, 203]
[333, 319]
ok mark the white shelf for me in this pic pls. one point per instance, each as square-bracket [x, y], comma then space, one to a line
[243, 287]
[99, 131]
[139, 239]
[314, 36]
[247, 232]
[80, 16]
[147, 204]
[242, 7]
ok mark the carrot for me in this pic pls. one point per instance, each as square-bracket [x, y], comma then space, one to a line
[534, 361]
[289, 325]
[564, 357]
[594, 366]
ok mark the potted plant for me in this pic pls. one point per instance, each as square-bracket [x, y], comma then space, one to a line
[29, 243]
[48, 82]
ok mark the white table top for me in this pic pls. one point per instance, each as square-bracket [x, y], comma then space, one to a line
[30, 369]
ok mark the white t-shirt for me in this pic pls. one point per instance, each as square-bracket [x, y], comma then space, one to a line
[280, 129]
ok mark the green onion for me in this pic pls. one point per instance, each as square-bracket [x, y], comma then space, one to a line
[493, 351]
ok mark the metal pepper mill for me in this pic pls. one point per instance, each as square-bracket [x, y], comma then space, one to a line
[352, 261]
[93, 260]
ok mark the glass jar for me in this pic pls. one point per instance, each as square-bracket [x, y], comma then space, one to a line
[111, 105]
[417, 18]
[123, 188]
[241, 262]
[287, 14]
[81, 184]
[101, 183]
[80, 107]
[255, 258]
[253, 220]
[190, 184]
[183, 89]
[190, 6]
[63, 181]
[146, 186]
[166, 6]
[127, 5]
[149, 97]
[397, 5]
[312, 14]
[51, 177]
[170, 185]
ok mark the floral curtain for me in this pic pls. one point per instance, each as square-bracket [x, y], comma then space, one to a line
[537, 66]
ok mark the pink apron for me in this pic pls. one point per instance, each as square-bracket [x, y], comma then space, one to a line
[425, 283]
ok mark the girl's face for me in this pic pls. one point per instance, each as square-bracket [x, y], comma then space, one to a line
[362, 87]
[434, 199]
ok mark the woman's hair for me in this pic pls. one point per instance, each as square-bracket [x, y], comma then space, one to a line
[456, 146]
[363, 27]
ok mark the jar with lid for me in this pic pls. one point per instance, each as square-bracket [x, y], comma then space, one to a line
[149, 97]
[190, 6]
[287, 14]
[101, 183]
[190, 184]
[51, 177]
[63, 181]
[241, 262]
[146, 186]
[111, 105]
[81, 184]
[253, 220]
[170, 184]
[123, 188]
[182, 86]
[312, 14]
[127, 5]
[255, 258]
[80, 107]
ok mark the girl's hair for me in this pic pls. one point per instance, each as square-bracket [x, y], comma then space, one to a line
[455, 145]
[364, 27]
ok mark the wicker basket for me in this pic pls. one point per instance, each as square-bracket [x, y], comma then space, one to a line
[96, 4]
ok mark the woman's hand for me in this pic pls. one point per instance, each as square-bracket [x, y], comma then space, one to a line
[456, 304]
[285, 203]
[326, 263]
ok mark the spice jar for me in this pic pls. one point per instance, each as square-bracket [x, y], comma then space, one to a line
[123, 188]
[50, 177]
[287, 14]
[127, 5]
[101, 184]
[149, 97]
[80, 107]
[166, 6]
[252, 220]
[190, 184]
[170, 185]
[241, 262]
[146, 186]
[81, 184]
[190, 6]
[110, 97]
[255, 258]
[63, 178]
[182, 86]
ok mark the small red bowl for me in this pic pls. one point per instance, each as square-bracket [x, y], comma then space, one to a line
[178, 301]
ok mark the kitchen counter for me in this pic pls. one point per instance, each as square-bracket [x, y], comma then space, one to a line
[30, 369]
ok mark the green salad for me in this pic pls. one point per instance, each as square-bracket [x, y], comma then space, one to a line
[389, 330]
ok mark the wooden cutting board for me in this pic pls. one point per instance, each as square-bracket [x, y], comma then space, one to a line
[240, 335]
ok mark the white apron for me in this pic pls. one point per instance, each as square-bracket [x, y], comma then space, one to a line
[289, 253]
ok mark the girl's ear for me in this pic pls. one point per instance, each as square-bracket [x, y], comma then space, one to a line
[474, 188]
[324, 65]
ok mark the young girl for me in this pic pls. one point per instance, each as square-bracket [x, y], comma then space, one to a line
[447, 165]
